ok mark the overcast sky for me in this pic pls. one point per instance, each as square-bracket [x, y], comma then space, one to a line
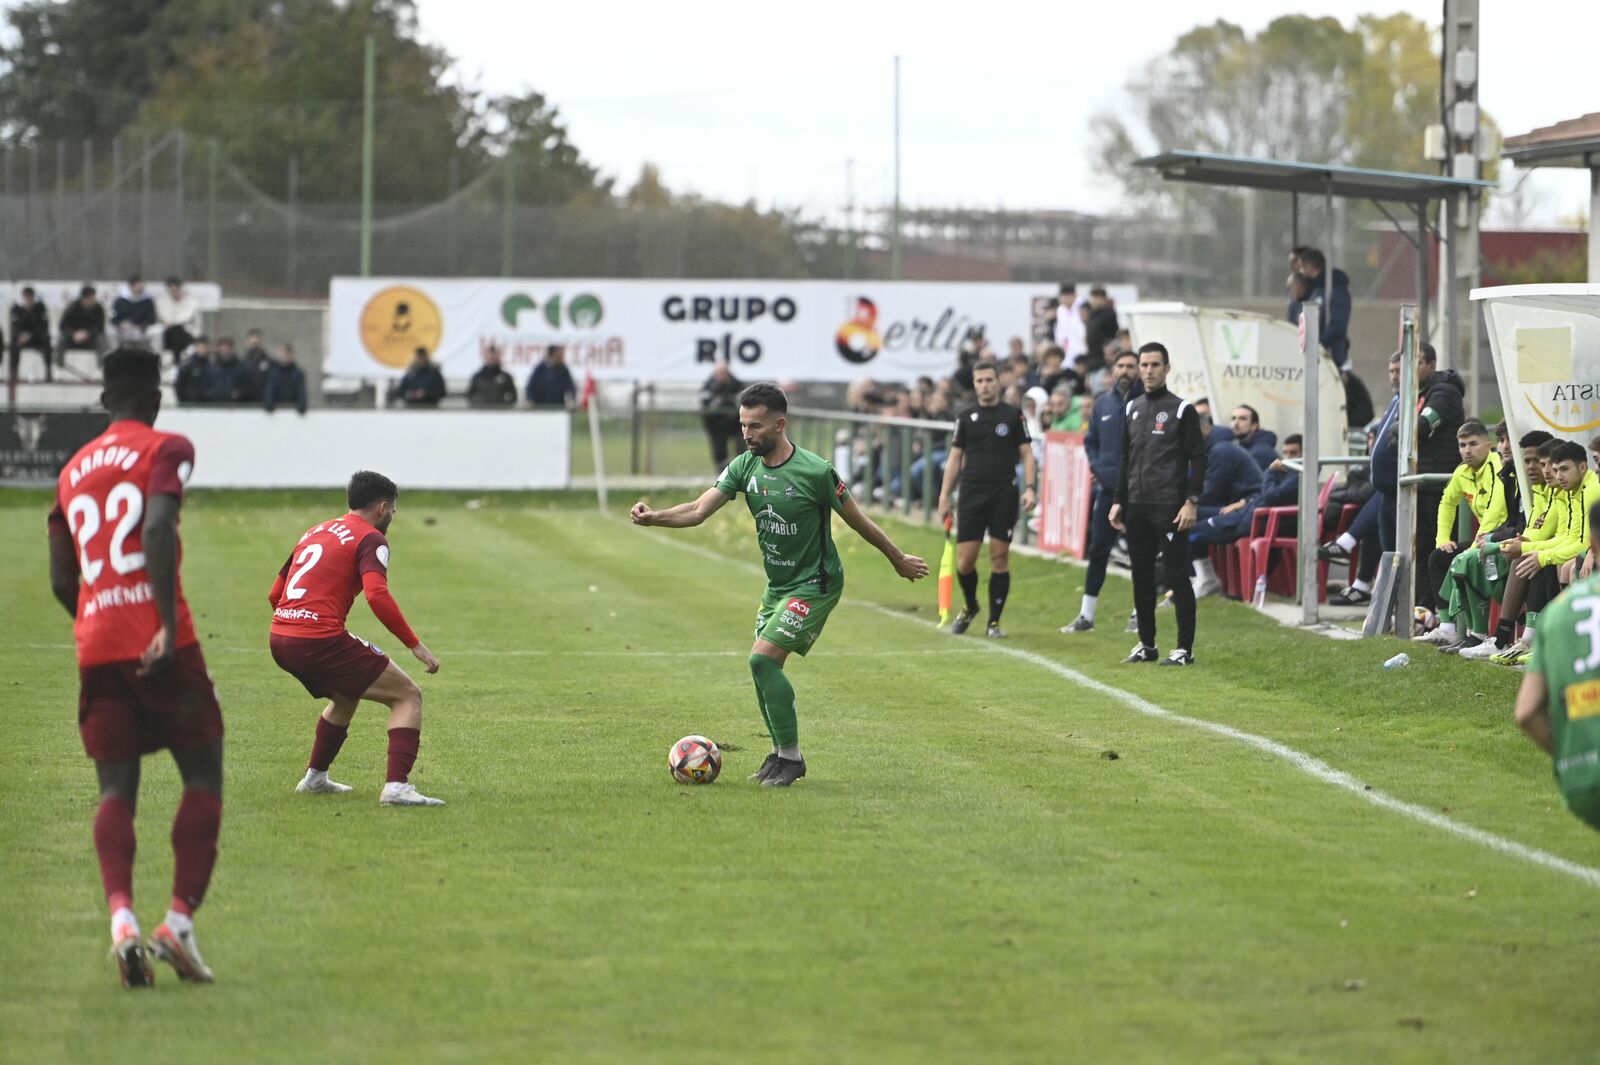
[771, 101]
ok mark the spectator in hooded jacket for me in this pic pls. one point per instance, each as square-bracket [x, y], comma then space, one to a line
[1231, 473]
[550, 384]
[1248, 434]
[30, 329]
[83, 323]
[190, 383]
[1440, 411]
[285, 383]
[1334, 320]
[228, 379]
[1102, 443]
[423, 384]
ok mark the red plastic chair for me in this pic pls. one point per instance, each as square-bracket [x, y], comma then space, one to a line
[1255, 551]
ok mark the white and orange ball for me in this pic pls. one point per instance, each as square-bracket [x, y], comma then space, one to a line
[694, 760]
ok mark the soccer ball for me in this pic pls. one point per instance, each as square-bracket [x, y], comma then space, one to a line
[694, 760]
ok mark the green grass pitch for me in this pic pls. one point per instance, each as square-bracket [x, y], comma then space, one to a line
[966, 874]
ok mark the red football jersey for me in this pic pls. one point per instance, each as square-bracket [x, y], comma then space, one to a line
[100, 504]
[323, 575]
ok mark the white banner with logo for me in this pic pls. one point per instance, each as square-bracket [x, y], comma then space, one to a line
[1236, 358]
[1546, 345]
[672, 330]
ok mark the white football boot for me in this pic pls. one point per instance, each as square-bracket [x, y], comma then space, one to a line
[398, 794]
[316, 782]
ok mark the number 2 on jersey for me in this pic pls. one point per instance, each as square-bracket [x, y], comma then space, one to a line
[83, 513]
[308, 558]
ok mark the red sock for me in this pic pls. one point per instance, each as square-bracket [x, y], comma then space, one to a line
[194, 846]
[403, 744]
[114, 843]
[325, 748]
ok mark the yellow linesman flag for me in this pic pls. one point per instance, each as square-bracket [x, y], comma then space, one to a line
[947, 574]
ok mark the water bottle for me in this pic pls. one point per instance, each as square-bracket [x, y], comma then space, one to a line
[1259, 599]
[1401, 659]
[1491, 568]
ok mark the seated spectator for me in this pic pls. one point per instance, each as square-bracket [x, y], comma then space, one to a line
[30, 330]
[1530, 587]
[1280, 487]
[1594, 451]
[1231, 472]
[1477, 481]
[133, 313]
[285, 383]
[1481, 573]
[423, 384]
[227, 377]
[193, 372]
[83, 324]
[550, 384]
[491, 386]
[1248, 434]
[177, 318]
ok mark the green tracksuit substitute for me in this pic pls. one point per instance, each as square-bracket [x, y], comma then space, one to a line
[1478, 574]
[1567, 653]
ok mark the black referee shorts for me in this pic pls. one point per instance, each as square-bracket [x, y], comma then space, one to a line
[985, 508]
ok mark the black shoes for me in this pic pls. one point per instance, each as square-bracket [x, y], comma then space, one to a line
[995, 632]
[1333, 552]
[766, 767]
[1179, 657]
[785, 773]
[962, 622]
[1141, 653]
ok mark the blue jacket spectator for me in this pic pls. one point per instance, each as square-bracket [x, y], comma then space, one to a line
[1102, 441]
[423, 384]
[285, 383]
[550, 384]
[226, 379]
[133, 312]
[190, 384]
[1231, 473]
[1334, 319]
[1279, 488]
[1248, 434]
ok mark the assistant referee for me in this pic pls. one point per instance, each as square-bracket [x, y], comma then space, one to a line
[1158, 492]
[990, 438]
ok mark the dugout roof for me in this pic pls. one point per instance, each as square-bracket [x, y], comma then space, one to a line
[1312, 179]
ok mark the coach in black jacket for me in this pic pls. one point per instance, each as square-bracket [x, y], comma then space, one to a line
[1158, 492]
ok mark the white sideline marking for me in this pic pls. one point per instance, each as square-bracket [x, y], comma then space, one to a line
[1313, 767]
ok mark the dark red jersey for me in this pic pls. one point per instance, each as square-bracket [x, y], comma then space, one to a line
[334, 561]
[101, 496]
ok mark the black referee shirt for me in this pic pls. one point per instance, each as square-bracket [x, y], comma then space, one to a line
[989, 438]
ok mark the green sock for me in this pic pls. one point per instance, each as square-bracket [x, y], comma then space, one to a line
[761, 702]
[777, 699]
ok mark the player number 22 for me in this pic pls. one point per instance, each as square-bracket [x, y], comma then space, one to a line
[124, 501]
[308, 558]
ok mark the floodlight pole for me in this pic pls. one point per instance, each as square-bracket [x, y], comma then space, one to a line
[895, 263]
[368, 91]
[1405, 485]
[1310, 525]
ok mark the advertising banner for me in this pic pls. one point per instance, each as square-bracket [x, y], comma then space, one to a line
[675, 330]
[1546, 345]
[1235, 358]
[34, 445]
[1068, 493]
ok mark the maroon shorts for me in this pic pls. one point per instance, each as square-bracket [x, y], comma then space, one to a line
[345, 666]
[122, 715]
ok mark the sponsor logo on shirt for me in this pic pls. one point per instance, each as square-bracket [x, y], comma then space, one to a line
[1002, 429]
[1160, 428]
[1583, 699]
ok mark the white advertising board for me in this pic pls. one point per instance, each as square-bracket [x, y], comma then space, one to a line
[416, 449]
[675, 330]
[1236, 358]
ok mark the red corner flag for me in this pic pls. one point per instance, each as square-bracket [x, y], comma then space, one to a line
[589, 390]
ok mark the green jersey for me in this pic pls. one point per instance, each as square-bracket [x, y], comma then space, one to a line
[1567, 652]
[792, 504]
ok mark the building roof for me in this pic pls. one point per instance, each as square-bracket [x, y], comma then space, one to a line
[1313, 179]
[1574, 142]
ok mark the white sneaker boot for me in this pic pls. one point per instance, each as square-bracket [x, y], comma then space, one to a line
[398, 794]
[316, 782]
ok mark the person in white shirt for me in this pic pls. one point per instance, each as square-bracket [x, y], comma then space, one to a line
[1070, 332]
[177, 319]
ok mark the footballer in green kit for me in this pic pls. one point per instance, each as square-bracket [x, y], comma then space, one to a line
[793, 495]
[1559, 704]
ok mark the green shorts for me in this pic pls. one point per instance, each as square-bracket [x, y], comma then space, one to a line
[794, 619]
[1585, 804]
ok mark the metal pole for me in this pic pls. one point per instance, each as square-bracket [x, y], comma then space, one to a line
[927, 475]
[1446, 331]
[507, 209]
[895, 262]
[144, 206]
[86, 197]
[116, 205]
[181, 149]
[290, 224]
[1404, 527]
[1310, 524]
[368, 90]
[453, 182]
[1421, 211]
[212, 162]
[904, 435]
